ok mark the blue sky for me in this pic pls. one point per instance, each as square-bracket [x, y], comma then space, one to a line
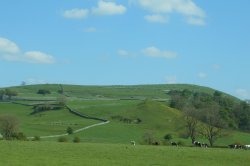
[110, 42]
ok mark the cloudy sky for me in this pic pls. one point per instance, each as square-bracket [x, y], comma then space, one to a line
[110, 42]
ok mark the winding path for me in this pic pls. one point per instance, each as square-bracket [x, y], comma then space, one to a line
[76, 131]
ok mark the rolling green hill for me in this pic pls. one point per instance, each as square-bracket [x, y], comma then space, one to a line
[134, 112]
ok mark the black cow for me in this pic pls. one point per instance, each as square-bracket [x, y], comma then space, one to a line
[174, 144]
[197, 144]
[232, 146]
[236, 146]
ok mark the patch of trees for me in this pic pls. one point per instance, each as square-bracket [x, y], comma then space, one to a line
[7, 94]
[43, 91]
[231, 112]
[46, 107]
[127, 120]
[207, 114]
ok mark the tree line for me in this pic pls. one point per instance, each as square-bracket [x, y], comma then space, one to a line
[7, 94]
[207, 114]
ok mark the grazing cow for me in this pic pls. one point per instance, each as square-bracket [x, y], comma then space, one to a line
[197, 143]
[239, 146]
[132, 143]
[204, 145]
[236, 146]
[174, 144]
[232, 146]
[246, 147]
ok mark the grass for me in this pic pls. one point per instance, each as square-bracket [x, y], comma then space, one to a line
[89, 154]
[46, 123]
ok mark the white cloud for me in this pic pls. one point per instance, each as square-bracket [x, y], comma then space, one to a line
[202, 75]
[171, 79]
[193, 13]
[9, 51]
[90, 29]
[152, 51]
[124, 53]
[242, 93]
[7, 46]
[108, 8]
[76, 13]
[38, 57]
[157, 53]
[156, 18]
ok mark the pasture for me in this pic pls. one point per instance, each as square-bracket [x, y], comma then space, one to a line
[93, 154]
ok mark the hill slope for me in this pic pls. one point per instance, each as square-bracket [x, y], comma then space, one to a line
[135, 112]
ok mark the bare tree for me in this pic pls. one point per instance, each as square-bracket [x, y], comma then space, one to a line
[62, 100]
[212, 128]
[190, 115]
[2, 93]
[8, 126]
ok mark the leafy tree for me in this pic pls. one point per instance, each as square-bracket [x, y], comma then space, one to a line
[10, 93]
[168, 137]
[69, 130]
[8, 126]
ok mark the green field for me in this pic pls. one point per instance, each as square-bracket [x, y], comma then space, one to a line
[52, 153]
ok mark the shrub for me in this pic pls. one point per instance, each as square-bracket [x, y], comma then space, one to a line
[69, 130]
[43, 91]
[36, 138]
[8, 126]
[168, 137]
[20, 136]
[62, 139]
[76, 140]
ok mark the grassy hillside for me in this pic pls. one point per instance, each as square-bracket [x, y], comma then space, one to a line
[46, 123]
[133, 111]
[52, 153]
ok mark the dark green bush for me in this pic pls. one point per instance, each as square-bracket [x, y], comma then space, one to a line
[62, 139]
[69, 130]
[36, 138]
[76, 140]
